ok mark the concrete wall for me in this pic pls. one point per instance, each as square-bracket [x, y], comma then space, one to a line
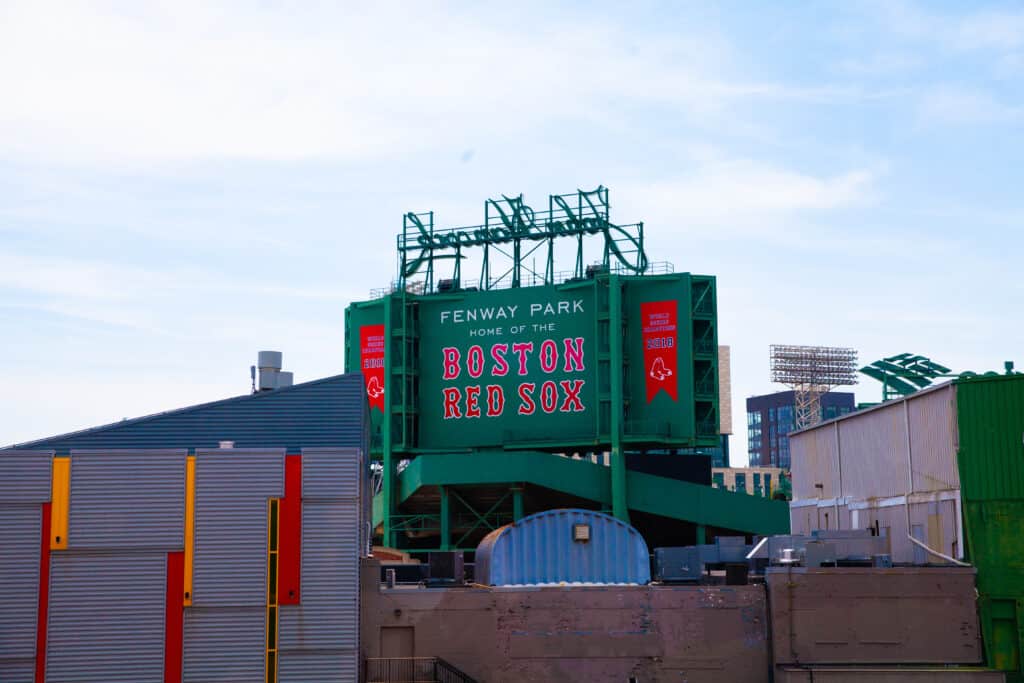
[885, 675]
[904, 615]
[692, 633]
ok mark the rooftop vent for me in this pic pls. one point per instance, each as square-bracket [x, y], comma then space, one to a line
[270, 374]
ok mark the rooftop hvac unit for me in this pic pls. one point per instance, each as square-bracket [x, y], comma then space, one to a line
[672, 565]
[446, 567]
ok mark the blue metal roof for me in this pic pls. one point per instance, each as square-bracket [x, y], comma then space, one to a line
[541, 550]
[330, 412]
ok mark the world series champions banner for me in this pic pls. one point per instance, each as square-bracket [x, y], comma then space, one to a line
[661, 339]
[371, 362]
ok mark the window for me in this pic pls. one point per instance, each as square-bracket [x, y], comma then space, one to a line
[785, 422]
[757, 483]
[741, 482]
[718, 480]
[767, 484]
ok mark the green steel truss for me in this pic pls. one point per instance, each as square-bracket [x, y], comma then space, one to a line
[512, 237]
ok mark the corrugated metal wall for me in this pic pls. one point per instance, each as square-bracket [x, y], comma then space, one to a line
[321, 667]
[331, 473]
[106, 617]
[873, 453]
[814, 461]
[225, 644]
[991, 421]
[232, 488]
[933, 439]
[18, 670]
[539, 549]
[319, 639]
[24, 487]
[127, 499]
[990, 414]
[873, 450]
[329, 412]
[109, 590]
[876, 451]
[328, 617]
[20, 538]
[25, 476]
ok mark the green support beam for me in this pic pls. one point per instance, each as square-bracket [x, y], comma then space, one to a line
[618, 463]
[446, 519]
[695, 503]
[517, 503]
[388, 475]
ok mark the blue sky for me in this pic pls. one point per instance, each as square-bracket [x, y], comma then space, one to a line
[183, 184]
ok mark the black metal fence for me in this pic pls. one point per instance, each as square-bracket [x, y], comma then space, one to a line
[413, 670]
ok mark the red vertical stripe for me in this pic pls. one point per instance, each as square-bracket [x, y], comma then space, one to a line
[289, 557]
[173, 617]
[44, 597]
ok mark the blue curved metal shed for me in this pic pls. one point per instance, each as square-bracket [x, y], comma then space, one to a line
[540, 550]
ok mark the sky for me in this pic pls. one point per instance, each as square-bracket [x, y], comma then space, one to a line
[185, 183]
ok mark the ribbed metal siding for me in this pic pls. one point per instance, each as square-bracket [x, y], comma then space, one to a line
[328, 617]
[331, 473]
[232, 488]
[127, 499]
[25, 476]
[320, 638]
[990, 415]
[20, 670]
[20, 541]
[814, 461]
[932, 439]
[873, 451]
[319, 667]
[225, 644]
[326, 412]
[539, 549]
[106, 617]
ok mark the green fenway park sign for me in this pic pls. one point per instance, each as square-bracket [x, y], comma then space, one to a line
[508, 365]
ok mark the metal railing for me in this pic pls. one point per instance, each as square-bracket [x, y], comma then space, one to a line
[529, 278]
[413, 670]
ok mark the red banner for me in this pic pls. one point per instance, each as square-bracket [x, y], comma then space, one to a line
[661, 336]
[371, 359]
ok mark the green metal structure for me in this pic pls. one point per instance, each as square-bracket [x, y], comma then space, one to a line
[990, 459]
[521, 368]
[476, 486]
[904, 373]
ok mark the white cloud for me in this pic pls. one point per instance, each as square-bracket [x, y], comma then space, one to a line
[187, 81]
[983, 30]
[741, 196]
[991, 30]
[958, 105]
[885, 64]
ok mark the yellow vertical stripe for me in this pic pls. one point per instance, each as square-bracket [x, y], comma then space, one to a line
[190, 524]
[60, 496]
[273, 534]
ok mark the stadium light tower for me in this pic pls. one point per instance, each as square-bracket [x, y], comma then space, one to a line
[811, 371]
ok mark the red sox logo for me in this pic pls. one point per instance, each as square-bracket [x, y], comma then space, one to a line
[374, 389]
[659, 371]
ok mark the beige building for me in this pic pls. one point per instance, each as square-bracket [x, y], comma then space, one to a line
[891, 468]
[756, 481]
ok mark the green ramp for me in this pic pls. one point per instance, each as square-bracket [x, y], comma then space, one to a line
[646, 493]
